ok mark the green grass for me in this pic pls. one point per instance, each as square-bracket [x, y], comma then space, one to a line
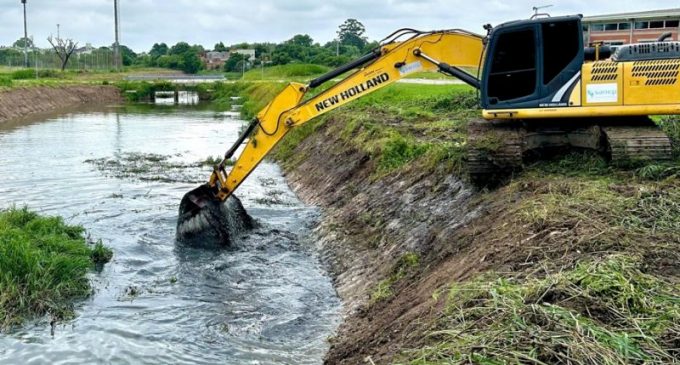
[439, 75]
[22, 77]
[5, 82]
[43, 266]
[605, 311]
[398, 150]
[136, 91]
[285, 151]
[398, 97]
[628, 204]
[406, 264]
[101, 254]
[257, 95]
[290, 72]
[671, 126]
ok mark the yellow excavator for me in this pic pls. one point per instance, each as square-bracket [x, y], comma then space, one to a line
[539, 87]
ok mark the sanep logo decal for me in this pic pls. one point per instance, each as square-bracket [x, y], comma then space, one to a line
[602, 93]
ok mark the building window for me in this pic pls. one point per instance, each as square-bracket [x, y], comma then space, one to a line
[624, 26]
[597, 27]
[641, 25]
[656, 24]
[672, 23]
[611, 27]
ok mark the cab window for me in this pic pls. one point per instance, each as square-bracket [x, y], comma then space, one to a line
[513, 68]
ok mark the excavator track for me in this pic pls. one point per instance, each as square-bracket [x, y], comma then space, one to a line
[639, 140]
[497, 148]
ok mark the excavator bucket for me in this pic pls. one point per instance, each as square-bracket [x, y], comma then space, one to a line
[205, 221]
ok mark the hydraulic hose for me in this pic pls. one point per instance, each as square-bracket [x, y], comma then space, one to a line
[241, 138]
[344, 68]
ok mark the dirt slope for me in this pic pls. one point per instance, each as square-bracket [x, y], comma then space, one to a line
[394, 242]
[23, 102]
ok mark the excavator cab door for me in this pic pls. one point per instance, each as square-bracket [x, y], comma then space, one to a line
[532, 63]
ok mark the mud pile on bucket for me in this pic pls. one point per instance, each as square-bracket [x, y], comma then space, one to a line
[213, 223]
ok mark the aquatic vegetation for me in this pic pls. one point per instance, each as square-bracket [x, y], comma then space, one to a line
[43, 266]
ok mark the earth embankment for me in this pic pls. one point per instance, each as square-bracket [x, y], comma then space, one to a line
[432, 270]
[26, 102]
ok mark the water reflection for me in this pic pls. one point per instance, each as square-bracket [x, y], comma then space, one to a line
[176, 97]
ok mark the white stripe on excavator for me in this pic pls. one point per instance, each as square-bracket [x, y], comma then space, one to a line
[560, 92]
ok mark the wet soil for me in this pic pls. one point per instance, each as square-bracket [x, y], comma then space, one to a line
[33, 101]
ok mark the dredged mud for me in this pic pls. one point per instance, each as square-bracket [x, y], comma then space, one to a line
[216, 224]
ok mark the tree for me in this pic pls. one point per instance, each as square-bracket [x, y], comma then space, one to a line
[219, 47]
[280, 58]
[351, 33]
[180, 48]
[23, 41]
[64, 49]
[302, 40]
[128, 55]
[158, 50]
[191, 63]
[235, 63]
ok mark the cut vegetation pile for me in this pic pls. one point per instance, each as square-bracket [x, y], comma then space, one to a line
[43, 266]
[582, 269]
[606, 311]
[572, 262]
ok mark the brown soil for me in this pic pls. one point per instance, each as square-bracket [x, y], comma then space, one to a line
[370, 223]
[25, 102]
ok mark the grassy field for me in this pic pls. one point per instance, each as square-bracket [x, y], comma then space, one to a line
[43, 266]
[290, 72]
[21, 77]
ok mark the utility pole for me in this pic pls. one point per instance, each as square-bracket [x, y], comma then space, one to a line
[58, 29]
[25, 36]
[116, 45]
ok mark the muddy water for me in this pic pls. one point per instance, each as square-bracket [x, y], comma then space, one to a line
[265, 301]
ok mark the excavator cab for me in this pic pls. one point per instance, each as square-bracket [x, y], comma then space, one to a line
[528, 63]
[542, 91]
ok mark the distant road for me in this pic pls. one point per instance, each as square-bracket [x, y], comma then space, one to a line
[178, 79]
[200, 79]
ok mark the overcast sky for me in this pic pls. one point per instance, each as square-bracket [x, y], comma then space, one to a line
[206, 22]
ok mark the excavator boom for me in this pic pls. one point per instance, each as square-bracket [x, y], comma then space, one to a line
[440, 51]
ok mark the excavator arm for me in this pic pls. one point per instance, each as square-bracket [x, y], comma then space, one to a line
[438, 51]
